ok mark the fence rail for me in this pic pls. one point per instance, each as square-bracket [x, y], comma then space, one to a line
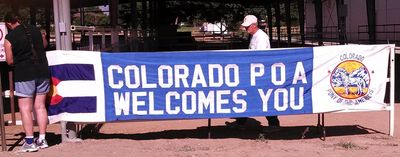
[388, 33]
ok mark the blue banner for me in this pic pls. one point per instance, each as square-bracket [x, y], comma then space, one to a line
[105, 87]
[207, 84]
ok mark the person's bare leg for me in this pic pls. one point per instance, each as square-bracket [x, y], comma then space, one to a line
[25, 108]
[41, 113]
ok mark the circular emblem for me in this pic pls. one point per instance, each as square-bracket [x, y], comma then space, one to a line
[53, 93]
[350, 79]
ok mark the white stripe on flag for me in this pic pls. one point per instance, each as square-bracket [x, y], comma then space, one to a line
[77, 88]
[73, 57]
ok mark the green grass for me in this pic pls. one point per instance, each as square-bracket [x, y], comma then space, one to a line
[350, 145]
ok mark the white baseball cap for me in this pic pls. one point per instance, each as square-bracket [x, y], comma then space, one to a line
[248, 20]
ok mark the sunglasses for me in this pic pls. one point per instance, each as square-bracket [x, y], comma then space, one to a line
[247, 28]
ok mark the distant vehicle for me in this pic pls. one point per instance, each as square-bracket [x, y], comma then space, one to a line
[214, 28]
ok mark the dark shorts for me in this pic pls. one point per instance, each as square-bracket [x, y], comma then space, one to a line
[31, 88]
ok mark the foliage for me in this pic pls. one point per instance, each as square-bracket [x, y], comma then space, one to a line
[4, 9]
[93, 17]
[211, 12]
[192, 13]
[24, 14]
[230, 13]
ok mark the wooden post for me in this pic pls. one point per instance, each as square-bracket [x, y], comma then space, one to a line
[12, 102]
[2, 127]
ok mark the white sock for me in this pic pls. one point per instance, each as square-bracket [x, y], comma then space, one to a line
[42, 137]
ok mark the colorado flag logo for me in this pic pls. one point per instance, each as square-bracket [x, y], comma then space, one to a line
[77, 86]
[75, 77]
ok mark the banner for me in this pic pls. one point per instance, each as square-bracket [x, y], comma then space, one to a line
[106, 87]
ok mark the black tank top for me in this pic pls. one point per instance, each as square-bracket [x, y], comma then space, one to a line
[24, 68]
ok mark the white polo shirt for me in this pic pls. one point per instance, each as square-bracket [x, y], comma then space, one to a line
[259, 41]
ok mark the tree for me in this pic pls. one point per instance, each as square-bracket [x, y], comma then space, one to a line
[93, 17]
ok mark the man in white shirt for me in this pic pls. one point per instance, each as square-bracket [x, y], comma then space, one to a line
[259, 41]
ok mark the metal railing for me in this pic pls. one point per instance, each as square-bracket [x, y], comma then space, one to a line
[387, 33]
[329, 34]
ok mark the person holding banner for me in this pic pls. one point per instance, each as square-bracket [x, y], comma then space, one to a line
[25, 53]
[259, 41]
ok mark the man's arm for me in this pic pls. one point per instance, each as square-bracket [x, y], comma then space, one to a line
[45, 43]
[9, 54]
[263, 43]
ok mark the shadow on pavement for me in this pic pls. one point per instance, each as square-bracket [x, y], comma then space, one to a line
[253, 131]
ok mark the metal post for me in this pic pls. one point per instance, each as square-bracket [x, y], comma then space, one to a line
[66, 12]
[56, 26]
[300, 4]
[2, 127]
[91, 45]
[278, 21]
[209, 128]
[82, 18]
[103, 38]
[145, 26]
[63, 128]
[269, 14]
[114, 22]
[371, 21]
[134, 19]
[288, 23]
[392, 85]
[61, 25]
[318, 20]
[341, 10]
[62, 22]
[323, 127]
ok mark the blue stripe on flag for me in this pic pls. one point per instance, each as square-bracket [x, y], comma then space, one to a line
[74, 105]
[73, 72]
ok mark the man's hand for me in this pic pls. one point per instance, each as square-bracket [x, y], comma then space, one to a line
[45, 44]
